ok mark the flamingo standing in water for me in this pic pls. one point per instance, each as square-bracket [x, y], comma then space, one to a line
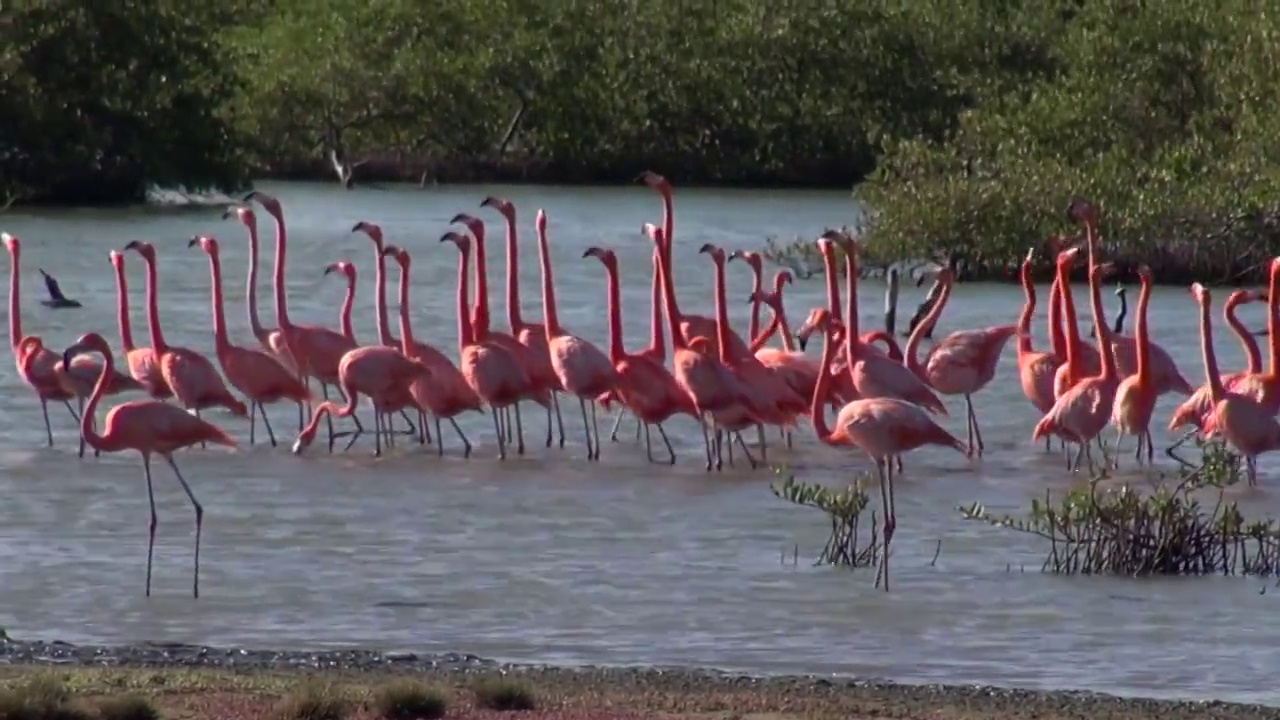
[531, 335]
[963, 362]
[491, 369]
[446, 393]
[797, 369]
[884, 428]
[257, 374]
[143, 363]
[1264, 388]
[1081, 413]
[1035, 369]
[581, 368]
[657, 350]
[195, 382]
[644, 386]
[31, 350]
[545, 387]
[271, 340]
[1136, 396]
[316, 351]
[1193, 409]
[41, 377]
[690, 325]
[1240, 420]
[348, 271]
[697, 371]
[150, 427]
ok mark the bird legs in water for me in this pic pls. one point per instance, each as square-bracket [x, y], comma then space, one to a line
[258, 407]
[886, 472]
[151, 541]
[76, 413]
[498, 430]
[732, 435]
[975, 433]
[590, 425]
[1144, 448]
[648, 445]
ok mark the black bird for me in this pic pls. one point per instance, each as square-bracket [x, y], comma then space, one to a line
[56, 298]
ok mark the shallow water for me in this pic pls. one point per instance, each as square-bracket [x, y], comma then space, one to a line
[548, 558]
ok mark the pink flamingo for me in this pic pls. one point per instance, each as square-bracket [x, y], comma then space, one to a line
[195, 382]
[143, 363]
[271, 339]
[874, 374]
[545, 387]
[797, 369]
[697, 371]
[755, 262]
[1081, 413]
[657, 350]
[1193, 409]
[963, 362]
[348, 271]
[644, 386]
[581, 368]
[378, 371]
[773, 401]
[1036, 369]
[258, 375]
[446, 394]
[884, 428]
[690, 325]
[316, 351]
[1264, 388]
[41, 376]
[531, 335]
[1136, 397]
[150, 427]
[1241, 421]
[491, 369]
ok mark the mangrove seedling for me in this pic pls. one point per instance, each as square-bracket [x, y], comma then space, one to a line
[843, 509]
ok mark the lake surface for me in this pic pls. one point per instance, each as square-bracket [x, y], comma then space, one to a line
[549, 558]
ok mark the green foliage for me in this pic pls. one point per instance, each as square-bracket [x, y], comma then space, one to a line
[1167, 530]
[843, 509]
[315, 700]
[103, 99]
[42, 698]
[505, 694]
[411, 700]
[1157, 111]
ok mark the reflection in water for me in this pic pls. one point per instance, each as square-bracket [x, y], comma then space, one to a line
[545, 557]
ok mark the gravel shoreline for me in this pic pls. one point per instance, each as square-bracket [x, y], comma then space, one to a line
[802, 695]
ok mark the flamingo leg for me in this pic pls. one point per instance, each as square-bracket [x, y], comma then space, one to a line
[253, 416]
[743, 444]
[412, 430]
[328, 421]
[670, 451]
[555, 400]
[1251, 469]
[706, 439]
[519, 431]
[595, 427]
[973, 422]
[764, 451]
[466, 444]
[266, 424]
[897, 461]
[196, 412]
[1151, 449]
[551, 407]
[882, 472]
[638, 424]
[727, 439]
[617, 423]
[377, 433]
[497, 428]
[1119, 437]
[648, 444]
[80, 407]
[586, 427]
[151, 533]
[440, 436]
[788, 435]
[195, 582]
[424, 437]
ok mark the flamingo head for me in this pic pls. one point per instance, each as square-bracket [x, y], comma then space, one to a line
[655, 181]
[462, 241]
[397, 253]
[1101, 271]
[27, 345]
[540, 222]
[117, 259]
[1066, 257]
[1082, 212]
[145, 249]
[818, 319]
[752, 258]
[341, 266]
[206, 243]
[701, 345]
[653, 232]
[242, 213]
[604, 255]
[1144, 274]
[89, 342]
[839, 237]
[373, 231]
[268, 203]
[1275, 265]
[473, 223]
[501, 205]
[1200, 293]
[825, 246]
[1241, 297]
[10, 243]
[767, 298]
[717, 254]
[781, 280]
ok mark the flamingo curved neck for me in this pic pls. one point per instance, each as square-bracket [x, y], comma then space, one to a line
[1106, 350]
[87, 424]
[344, 313]
[277, 277]
[818, 403]
[1028, 310]
[1216, 390]
[722, 312]
[678, 340]
[1069, 319]
[380, 297]
[551, 318]
[1057, 340]
[1141, 334]
[153, 307]
[220, 341]
[1273, 326]
[15, 309]
[657, 343]
[1252, 353]
[251, 286]
[513, 272]
[122, 310]
[466, 332]
[481, 322]
[911, 351]
[406, 329]
[757, 286]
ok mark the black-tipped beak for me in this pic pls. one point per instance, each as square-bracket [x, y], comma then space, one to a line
[251, 196]
[588, 253]
[193, 242]
[446, 237]
[67, 355]
[328, 270]
[460, 218]
[802, 342]
[707, 248]
[356, 227]
[226, 214]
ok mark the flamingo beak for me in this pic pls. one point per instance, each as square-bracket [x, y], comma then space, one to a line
[193, 242]
[707, 248]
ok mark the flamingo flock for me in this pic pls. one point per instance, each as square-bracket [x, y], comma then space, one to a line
[888, 399]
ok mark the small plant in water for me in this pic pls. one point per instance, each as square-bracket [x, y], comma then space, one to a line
[505, 694]
[314, 700]
[127, 707]
[1182, 527]
[41, 698]
[411, 700]
[844, 509]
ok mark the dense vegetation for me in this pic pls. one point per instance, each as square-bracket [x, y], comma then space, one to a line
[972, 121]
